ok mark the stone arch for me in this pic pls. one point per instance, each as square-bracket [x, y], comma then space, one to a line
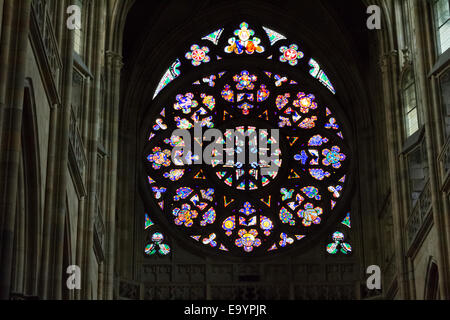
[29, 210]
[431, 291]
[118, 11]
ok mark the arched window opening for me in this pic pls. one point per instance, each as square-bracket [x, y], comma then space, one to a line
[27, 226]
[442, 24]
[432, 283]
[444, 82]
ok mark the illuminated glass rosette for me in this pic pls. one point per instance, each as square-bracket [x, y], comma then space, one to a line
[258, 163]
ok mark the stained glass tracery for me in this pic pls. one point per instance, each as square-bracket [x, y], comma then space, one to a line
[242, 41]
[253, 198]
[156, 245]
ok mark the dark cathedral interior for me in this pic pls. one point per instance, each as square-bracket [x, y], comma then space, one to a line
[224, 150]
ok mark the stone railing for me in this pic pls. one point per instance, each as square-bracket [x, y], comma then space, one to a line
[46, 46]
[444, 159]
[77, 155]
[39, 7]
[131, 290]
[99, 231]
[419, 216]
[98, 222]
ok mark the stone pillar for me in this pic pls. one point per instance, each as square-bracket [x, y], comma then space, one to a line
[13, 55]
[114, 66]
[18, 274]
[51, 278]
[1, 15]
[5, 51]
[92, 142]
[82, 234]
[390, 90]
[50, 187]
[49, 203]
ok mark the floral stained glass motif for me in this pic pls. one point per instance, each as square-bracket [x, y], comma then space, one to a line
[291, 54]
[310, 215]
[338, 244]
[245, 80]
[185, 103]
[333, 157]
[248, 240]
[157, 246]
[198, 55]
[244, 41]
[192, 207]
[160, 158]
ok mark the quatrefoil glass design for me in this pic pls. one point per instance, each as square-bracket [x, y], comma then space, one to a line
[198, 55]
[291, 54]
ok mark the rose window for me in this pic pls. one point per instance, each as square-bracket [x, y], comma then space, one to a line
[246, 161]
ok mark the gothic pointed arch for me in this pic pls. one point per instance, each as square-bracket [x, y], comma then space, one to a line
[432, 281]
[29, 210]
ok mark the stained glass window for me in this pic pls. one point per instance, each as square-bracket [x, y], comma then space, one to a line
[155, 243]
[243, 40]
[339, 242]
[245, 160]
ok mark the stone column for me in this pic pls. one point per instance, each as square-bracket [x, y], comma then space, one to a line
[82, 234]
[5, 51]
[390, 89]
[18, 274]
[92, 142]
[114, 66]
[50, 188]
[49, 203]
[51, 277]
[13, 55]
[62, 175]
[1, 15]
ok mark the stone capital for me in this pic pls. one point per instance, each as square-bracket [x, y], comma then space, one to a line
[114, 59]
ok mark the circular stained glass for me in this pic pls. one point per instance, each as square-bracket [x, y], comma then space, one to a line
[257, 165]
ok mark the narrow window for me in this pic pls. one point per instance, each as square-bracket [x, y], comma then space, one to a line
[418, 171]
[445, 94]
[410, 104]
[442, 24]
[78, 44]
